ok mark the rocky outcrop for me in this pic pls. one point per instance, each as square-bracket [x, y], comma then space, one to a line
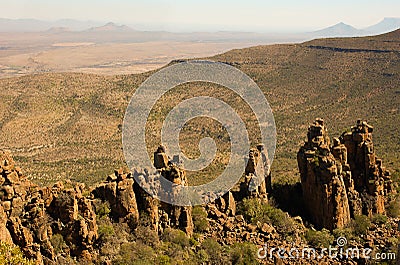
[118, 190]
[30, 216]
[257, 180]
[371, 179]
[127, 199]
[256, 183]
[341, 180]
[322, 180]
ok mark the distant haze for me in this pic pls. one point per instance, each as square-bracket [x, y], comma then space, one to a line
[208, 15]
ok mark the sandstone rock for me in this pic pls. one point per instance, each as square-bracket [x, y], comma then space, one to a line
[268, 229]
[257, 180]
[160, 158]
[126, 199]
[239, 218]
[46, 195]
[8, 192]
[186, 220]
[229, 225]
[65, 206]
[323, 187]
[21, 189]
[17, 205]
[111, 178]
[213, 212]
[88, 222]
[230, 203]
[7, 205]
[19, 233]
[107, 192]
[12, 178]
[367, 170]
[344, 180]
[252, 228]
[4, 233]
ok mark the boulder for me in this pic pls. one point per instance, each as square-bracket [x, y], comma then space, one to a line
[5, 235]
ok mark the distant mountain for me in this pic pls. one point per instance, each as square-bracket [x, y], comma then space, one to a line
[34, 25]
[339, 30]
[111, 27]
[55, 30]
[386, 25]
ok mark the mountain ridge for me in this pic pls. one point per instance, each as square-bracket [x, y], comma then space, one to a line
[111, 27]
[35, 25]
[386, 25]
[339, 30]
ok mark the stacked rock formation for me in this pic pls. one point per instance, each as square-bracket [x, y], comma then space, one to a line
[30, 216]
[256, 183]
[371, 179]
[341, 180]
[257, 180]
[127, 199]
[118, 191]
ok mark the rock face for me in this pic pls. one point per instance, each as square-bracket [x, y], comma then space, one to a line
[30, 216]
[341, 180]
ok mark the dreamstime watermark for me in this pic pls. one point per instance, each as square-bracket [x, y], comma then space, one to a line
[340, 251]
[146, 97]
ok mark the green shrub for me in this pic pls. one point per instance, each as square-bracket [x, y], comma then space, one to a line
[163, 260]
[147, 236]
[396, 180]
[393, 209]
[58, 243]
[214, 251]
[134, 253]
[255, 210]
[343, 232]
[176, 236]
[105, 231]
[251, 209]
[11, 254]
[321, 238]
[379, 219]
[243, 254]
[360, 224]
[103, 209]
[202, 257]
[200, 219]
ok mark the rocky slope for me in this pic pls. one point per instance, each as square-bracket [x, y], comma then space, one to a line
[37, 218]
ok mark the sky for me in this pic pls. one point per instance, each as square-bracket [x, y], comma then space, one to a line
[209, 15]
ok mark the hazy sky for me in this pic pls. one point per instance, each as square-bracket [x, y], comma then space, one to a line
[256, 15]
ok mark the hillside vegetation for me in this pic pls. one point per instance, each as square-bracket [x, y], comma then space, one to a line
[68, 125]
